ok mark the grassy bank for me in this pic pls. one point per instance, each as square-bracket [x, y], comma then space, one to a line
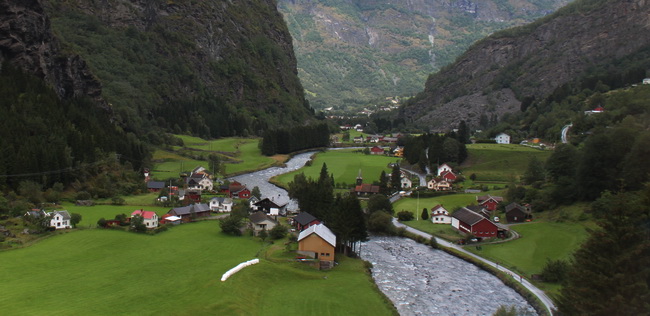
[100, 272]
[499, 163]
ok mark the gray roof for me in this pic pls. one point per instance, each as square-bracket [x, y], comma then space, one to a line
[515, 205]
[185, 210]
[259, 217]
[467, 216]
[304, 218]
[155, 185]
[64, 214]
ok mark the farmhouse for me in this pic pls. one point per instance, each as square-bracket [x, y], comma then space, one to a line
[155, 186]
[516, 213]
[442, 168]
[259, 221]
[267, 206]
[502, 138]
[190, 196]
[60, 219]
[221, 204]
[318, 242]
[470, 222]
[303, 221]
[376, 150]
[489, 202]
[449, 176]
[406, 183]
[439, 215]
[439, 185]
[150, 219]
[186, 213]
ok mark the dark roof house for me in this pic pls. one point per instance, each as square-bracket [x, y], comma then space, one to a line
[303, 220]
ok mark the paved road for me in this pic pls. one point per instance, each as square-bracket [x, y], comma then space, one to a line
[565, 131]
[548, 303]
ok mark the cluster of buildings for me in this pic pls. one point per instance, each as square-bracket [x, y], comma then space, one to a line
[480, 220]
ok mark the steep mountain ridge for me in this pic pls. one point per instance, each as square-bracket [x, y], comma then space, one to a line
[355, 52]
[496, 74]
[26, 40]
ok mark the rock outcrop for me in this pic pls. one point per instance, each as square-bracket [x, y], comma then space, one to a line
[27, 42]
[531, 61]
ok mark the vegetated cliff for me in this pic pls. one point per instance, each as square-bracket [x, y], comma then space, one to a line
[355, 52]
[210, 68]
[26, 41]
[530, 62]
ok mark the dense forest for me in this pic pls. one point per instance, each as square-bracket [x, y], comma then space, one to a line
[292, 139]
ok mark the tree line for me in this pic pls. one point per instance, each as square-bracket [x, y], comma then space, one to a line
[292, 139]
[430, 150]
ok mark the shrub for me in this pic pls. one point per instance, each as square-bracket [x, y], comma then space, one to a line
[230, 225]
[277, 232]
[404, 216]
[83, 195]
[433, 243]
[554, 270]
[381, 222]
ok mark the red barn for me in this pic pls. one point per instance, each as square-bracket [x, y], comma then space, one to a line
[376, 150]
[471, 222]
[489, 202]
[303, 220]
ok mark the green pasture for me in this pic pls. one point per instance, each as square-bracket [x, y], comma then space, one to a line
[225, 145]
[139, 199]
[499, 163]
[345, 165]
[170, 165]
[107, 272]
[249, 158]
[91, 214]
[539, 241]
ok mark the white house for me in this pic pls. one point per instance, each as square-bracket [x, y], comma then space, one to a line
[502, 138]
[60, 219]
[442, 168]
[406, 183]
[646, 81]
[221, 204]
[199, 182]
[149, 218]
[439, 215]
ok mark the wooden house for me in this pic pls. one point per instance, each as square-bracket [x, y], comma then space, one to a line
[149, 218]
[489, 202]
[303, 221]
[516, 213]
[155, 186]
[259, 221]
[187, 212]
[470, 222]
[318, 242]
[60, 219]
[439, 215]
[268, 206]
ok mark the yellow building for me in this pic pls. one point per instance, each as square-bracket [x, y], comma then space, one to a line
[318, 242]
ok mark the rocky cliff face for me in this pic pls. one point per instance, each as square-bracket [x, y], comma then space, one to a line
[359, 51]
[495, 74]
[213, 68]
[26, 41]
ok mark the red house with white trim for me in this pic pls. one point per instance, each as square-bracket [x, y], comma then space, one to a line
[470, 222]
[489, 202]
[450, 176]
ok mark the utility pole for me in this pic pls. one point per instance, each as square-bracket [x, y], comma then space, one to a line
[417, 208]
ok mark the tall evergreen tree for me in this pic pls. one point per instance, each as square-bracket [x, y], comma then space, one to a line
[395, 178]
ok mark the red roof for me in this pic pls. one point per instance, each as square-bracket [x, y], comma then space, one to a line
[377, 149]
[144, 214]
[599, 109]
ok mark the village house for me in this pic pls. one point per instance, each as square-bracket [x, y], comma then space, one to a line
[439, 215]
[516, 213]
[489, 202]
[358, 140]
[398, 151]
[439, 185]
[502, 138]
[259, 221]
[155, 186]
[60, 219]
[190, 196]
[303, 221]
[449, 176]
[221, 204]
[406, 183]
[318, 242]
[186, 213]
[268, 206]
[444, 167]
[170, 219]
[480, 210]
[149, 218]
[469, 222]
[376, 150]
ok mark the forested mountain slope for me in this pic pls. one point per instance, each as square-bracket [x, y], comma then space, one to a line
[210, 68]
[354, 52]
[581, 44]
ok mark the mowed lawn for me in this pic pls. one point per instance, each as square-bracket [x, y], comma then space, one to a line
[499, 162]
[105, 272]
[345, 165]
[539, 241]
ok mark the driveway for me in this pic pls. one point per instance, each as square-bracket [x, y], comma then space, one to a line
[548, 303]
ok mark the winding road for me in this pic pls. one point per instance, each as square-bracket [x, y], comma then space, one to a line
[548, 303]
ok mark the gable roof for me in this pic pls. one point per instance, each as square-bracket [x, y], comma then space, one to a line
[144, 214]
[322, 231]
[222, 200]
[260, 216]
[186, 210]
[155, 185]
[516, 206]
[266, 203]
[439, 207]
[304, 218]
[63, 214]
[367, 188]
[467, 216]
[483, 198]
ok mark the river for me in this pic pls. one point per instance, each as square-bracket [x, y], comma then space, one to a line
[417, 279]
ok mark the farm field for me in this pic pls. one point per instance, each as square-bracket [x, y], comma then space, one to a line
[345, 165]
[499, 163]
[101, 272]
[238, 154]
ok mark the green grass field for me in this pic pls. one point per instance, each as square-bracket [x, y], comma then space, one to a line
[106, 272]
[539, 241]
[91, 214]
[345, 165]
[499, 163]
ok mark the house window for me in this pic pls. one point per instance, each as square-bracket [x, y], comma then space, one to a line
[58, 224]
